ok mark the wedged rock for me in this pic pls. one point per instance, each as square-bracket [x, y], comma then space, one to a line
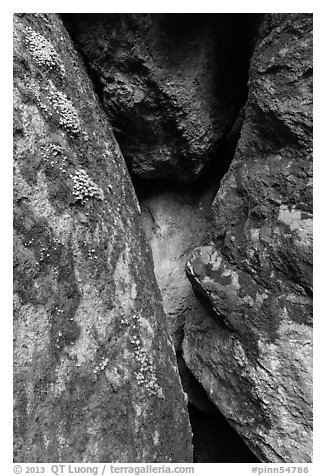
[167, 84]
[95, 374]
[176, 218]
[253, 355]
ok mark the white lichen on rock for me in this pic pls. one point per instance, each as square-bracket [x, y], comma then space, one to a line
[69, 119]
[84, 187]
[53, 150]
[43, 52]
[102, 365]
[146, 372]
[145, 376]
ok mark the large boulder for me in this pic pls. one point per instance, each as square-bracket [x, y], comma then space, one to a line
[253, 354]
[172, 84]
[95, 375]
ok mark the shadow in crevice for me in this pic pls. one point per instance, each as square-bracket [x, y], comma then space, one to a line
[214, 439]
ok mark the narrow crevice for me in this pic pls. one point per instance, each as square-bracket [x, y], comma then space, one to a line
[214, 439]
[191, 236]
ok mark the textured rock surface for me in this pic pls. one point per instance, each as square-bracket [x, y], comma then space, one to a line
[175, 221]
[94, 368]
[253, 355]
[172, 84]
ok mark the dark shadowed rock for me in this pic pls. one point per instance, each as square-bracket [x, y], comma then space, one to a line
[253, 354]
[215, 441]
[94, 368]
[172, 84]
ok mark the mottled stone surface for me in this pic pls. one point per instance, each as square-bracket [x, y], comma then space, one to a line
[175, 221]
[172, 84]
[95, 375]
[253, 355]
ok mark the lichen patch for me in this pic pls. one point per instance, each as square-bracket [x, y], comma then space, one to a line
[68, 116]
[43, 52]
[296, 220]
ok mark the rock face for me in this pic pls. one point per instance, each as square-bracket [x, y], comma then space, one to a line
[253, 355]
[94, 368]
[174, 222]
[172, 84]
